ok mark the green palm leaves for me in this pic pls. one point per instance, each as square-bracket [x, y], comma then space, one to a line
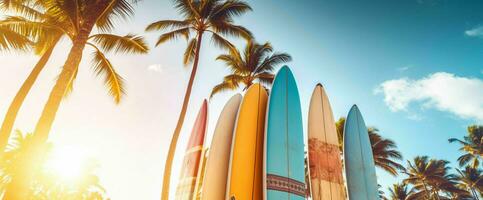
[256, 64]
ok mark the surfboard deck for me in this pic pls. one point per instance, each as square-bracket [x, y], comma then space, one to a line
[358, 158]
[326, 180]
[214, 184]
[245, 179]
[190, 167]
[284, 176]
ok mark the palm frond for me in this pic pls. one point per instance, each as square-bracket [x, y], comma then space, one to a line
[222, 43]
[167, 24]
[224, 86]
[265, 78]
[117, 9]
[121, 44]
[189, 54]
[22, 9]
[173, 35]
[103, 67]
[229, 9]
[269, 64]
[228, 29]
[186, 8]
[10, 40]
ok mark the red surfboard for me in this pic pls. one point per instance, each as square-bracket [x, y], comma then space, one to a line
[190, 168]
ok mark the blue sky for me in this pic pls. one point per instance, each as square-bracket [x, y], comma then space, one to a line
[414, 68]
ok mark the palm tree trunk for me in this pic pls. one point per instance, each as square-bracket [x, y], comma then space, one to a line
[19, 98]
[179, 125]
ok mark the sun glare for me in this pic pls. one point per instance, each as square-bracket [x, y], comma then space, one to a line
[66, 163]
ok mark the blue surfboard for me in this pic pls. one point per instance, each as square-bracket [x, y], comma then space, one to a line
[358, 158]
[284, 173]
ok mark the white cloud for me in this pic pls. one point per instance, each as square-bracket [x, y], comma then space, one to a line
[155, 68]
[461, 96]
[475, 32]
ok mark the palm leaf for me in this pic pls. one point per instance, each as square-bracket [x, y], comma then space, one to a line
[10, 40]
[121, 44]
[186, 8]
[228, 29]
[229, 9]
[222, 43]
[224, 86]
[189, 54]
[167, 24]
[173, 35]
[103, 67]
[117, 9]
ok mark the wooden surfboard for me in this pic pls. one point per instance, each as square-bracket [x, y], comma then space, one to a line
[326, 180]
[245, 175]
[358, 158]
[214, 184]
[190, 167]
[284, 177]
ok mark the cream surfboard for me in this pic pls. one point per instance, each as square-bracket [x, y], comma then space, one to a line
[326, 181]
[214, 184]
[245, 170]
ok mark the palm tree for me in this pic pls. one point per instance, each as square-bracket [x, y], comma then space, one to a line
[255, 65]
[214, 17]
[82, 17]
[430, 177]
[384, 150]
[471, 179]
[43, 24]
[472, 145]
[46, 35]
[400, 191]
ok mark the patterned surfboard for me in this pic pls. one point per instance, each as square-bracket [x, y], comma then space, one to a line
[190, 167]
[326, 181]
[284, 176]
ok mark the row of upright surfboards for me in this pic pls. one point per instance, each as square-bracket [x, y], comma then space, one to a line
[257, 150]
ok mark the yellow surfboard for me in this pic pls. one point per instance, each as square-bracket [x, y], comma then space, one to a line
[246, 166]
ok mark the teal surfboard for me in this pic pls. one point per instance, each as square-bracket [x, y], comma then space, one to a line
[358, 158]
[284, 176]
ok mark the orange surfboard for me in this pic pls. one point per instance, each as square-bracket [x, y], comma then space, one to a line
[190, 168]
[246, 166]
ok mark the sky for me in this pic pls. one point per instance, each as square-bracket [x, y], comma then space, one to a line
[413, 67]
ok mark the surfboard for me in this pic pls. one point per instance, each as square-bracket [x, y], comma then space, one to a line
[201, 174]
[214, 184]
[326, 182]
[284, 176]
[190, 167]
[358, 158]
[245, 170]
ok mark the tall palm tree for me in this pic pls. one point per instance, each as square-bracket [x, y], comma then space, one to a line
[384, 150]
[472, 145]
[430, 177]
[82, 17]
[214, 17]
[471, 179]
[38, 21]
[256, 64]
[400, 191]
[46, 36]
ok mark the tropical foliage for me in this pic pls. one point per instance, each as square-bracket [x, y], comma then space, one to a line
[386, 155]
[256, 64]
[201, 18]
[472, 146]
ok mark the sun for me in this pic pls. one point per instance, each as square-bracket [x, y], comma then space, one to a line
[66, 163]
